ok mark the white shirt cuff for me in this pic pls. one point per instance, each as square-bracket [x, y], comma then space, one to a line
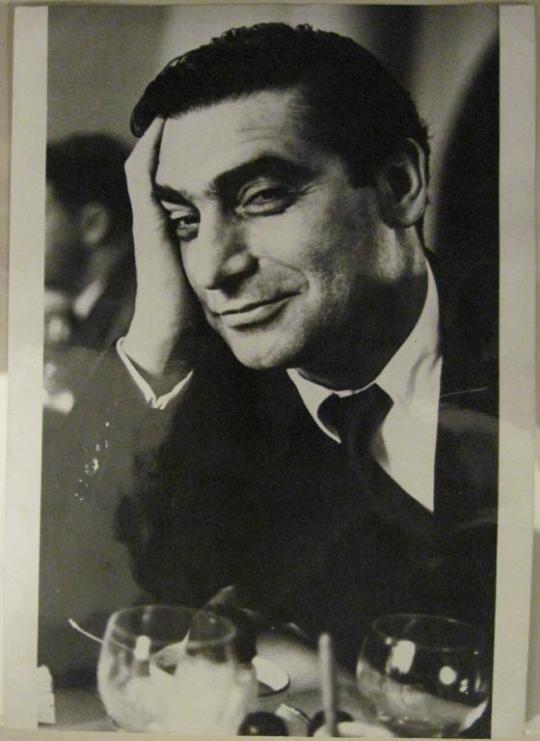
[156, 402]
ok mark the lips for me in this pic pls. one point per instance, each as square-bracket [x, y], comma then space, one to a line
[253, 313]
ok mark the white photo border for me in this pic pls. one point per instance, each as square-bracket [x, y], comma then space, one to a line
[517, 343]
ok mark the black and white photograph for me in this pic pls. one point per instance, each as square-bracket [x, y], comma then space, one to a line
[273, 352]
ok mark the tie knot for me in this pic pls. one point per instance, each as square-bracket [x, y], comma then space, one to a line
[357, 417]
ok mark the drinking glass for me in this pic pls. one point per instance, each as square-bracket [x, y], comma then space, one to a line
[171, 668]
[423, 675]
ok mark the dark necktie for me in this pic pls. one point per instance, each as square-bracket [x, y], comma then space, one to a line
[356, 418]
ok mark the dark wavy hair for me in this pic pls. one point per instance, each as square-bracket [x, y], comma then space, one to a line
[353, 105]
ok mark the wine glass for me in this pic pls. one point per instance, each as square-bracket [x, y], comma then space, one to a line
[171, 668]
[423, 675]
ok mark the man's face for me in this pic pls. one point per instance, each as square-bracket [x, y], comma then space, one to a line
[63, 251]
[283, 253]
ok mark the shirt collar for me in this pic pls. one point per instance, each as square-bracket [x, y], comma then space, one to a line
[398, 378]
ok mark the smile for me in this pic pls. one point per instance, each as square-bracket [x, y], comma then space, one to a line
[253, 313]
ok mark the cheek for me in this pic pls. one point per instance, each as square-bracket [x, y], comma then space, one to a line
[326, 243]
[188, 257]
[297, 239]
[60, 233]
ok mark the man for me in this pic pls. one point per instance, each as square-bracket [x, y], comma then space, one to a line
[88, 247]
[89, 270]
[278, 192]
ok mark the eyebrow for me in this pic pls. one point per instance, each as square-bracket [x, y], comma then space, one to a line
[170, 195]
[233, 179]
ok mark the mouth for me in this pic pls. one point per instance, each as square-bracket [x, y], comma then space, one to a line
[253, 313]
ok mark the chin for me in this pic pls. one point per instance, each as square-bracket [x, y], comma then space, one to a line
[262, 354]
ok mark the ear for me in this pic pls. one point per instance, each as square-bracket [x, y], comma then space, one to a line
[401, 183]
[95, 224]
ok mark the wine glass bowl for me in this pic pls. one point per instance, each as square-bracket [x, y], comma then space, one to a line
[423, 675]
[171, 668]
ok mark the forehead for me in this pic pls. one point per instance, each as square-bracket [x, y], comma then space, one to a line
[201, 144]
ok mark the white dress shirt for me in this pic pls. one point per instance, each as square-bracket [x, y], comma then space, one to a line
[405, 443]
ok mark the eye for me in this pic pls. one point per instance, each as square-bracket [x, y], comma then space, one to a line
[268, 194]
[185, 226]
[267, 200]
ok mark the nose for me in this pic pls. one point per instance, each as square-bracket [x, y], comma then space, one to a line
[222, 255]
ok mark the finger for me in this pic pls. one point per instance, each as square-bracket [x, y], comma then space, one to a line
[145, 156]
[150, 142]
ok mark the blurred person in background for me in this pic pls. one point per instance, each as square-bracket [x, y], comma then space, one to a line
[89, 271]
[89, 294]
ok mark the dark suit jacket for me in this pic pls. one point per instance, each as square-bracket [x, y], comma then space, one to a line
[236, 484]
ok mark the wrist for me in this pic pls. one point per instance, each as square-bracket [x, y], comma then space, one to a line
[155, 360]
